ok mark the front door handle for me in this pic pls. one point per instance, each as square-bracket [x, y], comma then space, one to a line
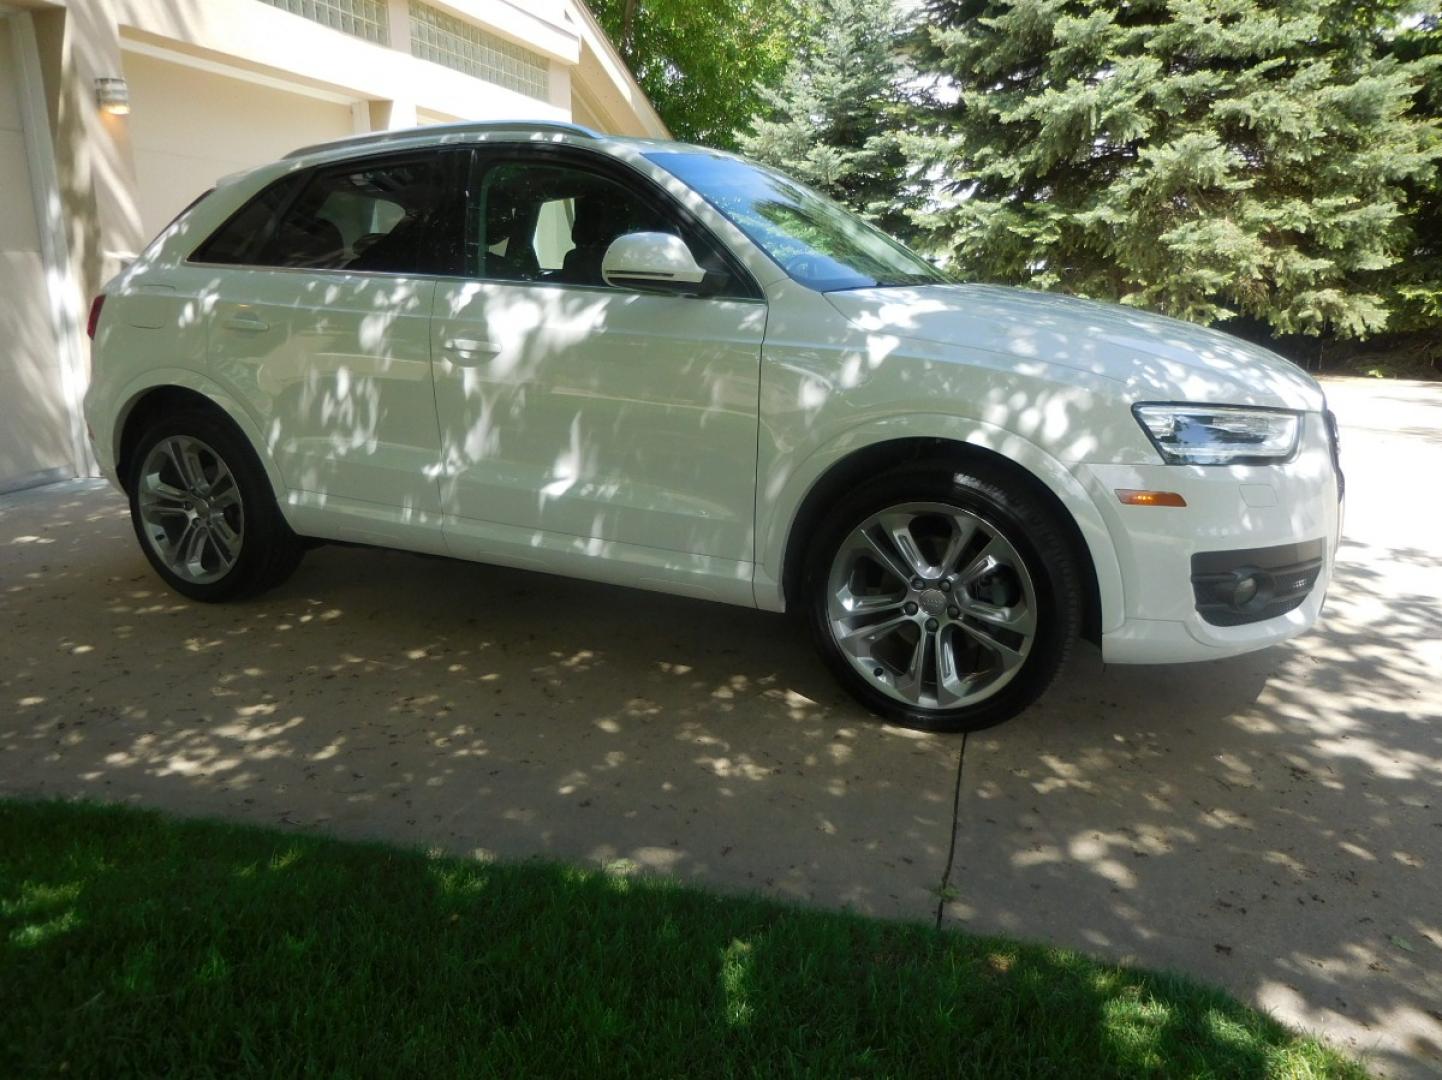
[245, 320]
[467, 351]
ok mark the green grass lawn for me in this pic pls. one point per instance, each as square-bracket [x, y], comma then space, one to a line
[134, 944]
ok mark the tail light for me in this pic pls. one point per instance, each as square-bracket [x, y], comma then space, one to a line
[94, 320]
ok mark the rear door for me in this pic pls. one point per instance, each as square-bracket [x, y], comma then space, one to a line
[322, 324]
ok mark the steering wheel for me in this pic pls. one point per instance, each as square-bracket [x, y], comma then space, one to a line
[807, 266]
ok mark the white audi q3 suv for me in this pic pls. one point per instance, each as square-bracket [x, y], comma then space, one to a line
[667, 367]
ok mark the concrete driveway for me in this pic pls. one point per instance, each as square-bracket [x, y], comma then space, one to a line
[1271, 823]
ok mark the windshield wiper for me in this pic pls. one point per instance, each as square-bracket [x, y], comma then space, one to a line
[898, 280]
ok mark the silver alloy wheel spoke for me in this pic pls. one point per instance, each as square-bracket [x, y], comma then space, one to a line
[964, 528]
[932, 605]
[868, 605]
[225, 539]
[194, 472]
[191, 512]
[882, 553]
[898, 528]
[223, 493]
[909, 682]
[1020, 620]
[161, 490]
[950, 686]
[983, 563]
[191, 547]
[1008, 656]
[179, 465]
[858, 640]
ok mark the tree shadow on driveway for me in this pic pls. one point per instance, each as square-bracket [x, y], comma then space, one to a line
[1272, 823]
[1269, 822]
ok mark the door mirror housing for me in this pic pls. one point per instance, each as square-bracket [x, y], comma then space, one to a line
[652, 261]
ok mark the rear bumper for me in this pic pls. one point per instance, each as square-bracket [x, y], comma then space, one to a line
[101, 441]
[1236, 516]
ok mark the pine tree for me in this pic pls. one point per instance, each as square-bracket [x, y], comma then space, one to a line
[1414, 285]
[835, 120]
[1199, 157]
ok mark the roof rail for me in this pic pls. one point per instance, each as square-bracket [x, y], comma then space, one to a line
[460, 127]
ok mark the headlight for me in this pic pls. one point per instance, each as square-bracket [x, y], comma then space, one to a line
[1220, 434]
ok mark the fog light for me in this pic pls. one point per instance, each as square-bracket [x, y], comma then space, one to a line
[1245, 591]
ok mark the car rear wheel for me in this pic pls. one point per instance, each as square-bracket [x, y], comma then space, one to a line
[204, 511]
[945, 599]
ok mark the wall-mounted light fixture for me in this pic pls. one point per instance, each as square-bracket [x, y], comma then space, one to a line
[113, 96]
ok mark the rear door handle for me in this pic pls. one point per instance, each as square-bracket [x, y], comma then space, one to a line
[466, 351]
[247, 321]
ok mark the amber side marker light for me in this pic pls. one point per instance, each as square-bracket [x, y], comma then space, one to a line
[1132, 497]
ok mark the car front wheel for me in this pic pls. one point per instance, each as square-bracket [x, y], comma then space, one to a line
[945, 599]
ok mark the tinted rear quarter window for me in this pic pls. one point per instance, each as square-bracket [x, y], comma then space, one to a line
[235, 241]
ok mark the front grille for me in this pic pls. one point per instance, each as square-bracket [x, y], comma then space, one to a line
[1233, 588]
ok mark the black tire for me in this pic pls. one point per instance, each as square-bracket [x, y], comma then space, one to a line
[1029, 524]
[269, 552]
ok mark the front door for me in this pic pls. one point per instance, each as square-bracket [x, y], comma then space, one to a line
[622, 420]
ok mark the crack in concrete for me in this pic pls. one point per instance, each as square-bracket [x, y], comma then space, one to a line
[944, 889]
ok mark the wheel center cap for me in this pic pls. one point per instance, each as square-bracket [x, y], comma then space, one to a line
[933, 601]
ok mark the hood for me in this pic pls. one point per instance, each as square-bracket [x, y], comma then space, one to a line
[1154, 357]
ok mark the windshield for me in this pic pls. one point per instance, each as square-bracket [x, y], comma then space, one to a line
[820, 244]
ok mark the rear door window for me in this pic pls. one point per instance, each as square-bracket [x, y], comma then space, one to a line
[383, 218]
[392, 216]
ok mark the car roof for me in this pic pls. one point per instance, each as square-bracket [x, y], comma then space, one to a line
[465, 131]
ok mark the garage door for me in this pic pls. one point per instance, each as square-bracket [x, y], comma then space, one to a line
[35, 439]
[189, 127]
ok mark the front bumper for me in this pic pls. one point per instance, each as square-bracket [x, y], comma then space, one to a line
[1254, 512]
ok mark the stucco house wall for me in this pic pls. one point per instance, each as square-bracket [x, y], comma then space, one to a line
[216, 86]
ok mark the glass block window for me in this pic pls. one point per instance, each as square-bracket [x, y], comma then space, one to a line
[362, 18]
[453, 43]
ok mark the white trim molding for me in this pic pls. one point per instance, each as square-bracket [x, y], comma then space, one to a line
[62, 288]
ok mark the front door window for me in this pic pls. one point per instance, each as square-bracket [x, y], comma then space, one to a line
[553, 223]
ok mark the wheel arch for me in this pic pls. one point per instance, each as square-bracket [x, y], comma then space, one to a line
[1087, 533]
[167, 391]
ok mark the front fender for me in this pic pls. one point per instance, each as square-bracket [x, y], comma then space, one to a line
[776, 513]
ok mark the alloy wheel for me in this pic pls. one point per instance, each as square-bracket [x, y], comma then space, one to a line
[932, 605]
[191, 509]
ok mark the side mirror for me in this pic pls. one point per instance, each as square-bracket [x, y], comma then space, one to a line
[652, 260]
